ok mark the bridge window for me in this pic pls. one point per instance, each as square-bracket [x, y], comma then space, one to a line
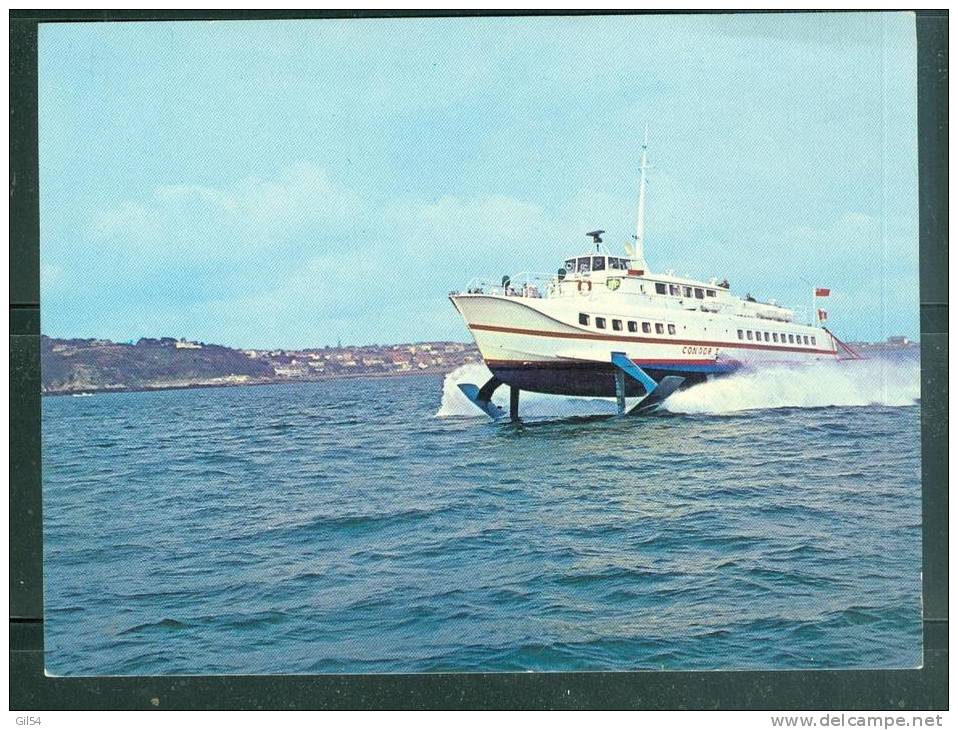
[766, 336]
[675, 290]
[775, 337]
[749, 334]
[700, 294]
[805, 339]
[585, 264]
[646, 327]
[617, 325]
[791, 339]
[584, 319]
[633, 326]
[741, 335]
[671, 329]
[659, 287]
[600, 322]
[570, 266]
[710, 292]
[659, 329]
[688, 291]
[813, 339]
[598, 263]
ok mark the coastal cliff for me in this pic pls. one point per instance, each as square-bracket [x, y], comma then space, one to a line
[91, 365]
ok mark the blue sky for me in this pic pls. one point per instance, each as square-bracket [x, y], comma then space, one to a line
[293, 183]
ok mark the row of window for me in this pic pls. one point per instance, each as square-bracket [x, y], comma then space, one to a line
[683, 291]
[792, 339]
[633, 326]
[660, 329]
[585, 264]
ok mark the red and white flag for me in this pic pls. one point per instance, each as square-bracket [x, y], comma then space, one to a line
[822, 315]
[822, 292]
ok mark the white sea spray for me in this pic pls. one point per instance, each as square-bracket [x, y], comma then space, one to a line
[848, 383]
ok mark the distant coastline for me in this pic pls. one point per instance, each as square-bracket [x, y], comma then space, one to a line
[203, 385]
[77, 366]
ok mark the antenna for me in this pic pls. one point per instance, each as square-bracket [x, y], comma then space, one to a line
[638, 253]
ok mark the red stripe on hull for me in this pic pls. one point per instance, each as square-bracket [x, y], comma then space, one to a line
[640, 361]
[655, 340]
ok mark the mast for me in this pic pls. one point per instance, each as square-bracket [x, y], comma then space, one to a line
[638, 252]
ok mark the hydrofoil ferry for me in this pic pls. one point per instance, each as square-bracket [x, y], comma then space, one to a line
[605, 325]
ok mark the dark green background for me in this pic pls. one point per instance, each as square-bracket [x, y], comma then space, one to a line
[31, 689]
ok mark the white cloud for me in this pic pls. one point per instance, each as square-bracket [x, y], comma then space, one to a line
[483, 234]
[251, 213]
[127, 218]
[485, 218]
[50, 276]
[300, 195]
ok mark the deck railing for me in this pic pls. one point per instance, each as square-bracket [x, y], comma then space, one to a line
[531, 284]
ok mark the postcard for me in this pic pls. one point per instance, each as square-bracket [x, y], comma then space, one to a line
[480, 344]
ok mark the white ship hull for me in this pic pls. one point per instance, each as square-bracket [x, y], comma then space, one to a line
[538, 344]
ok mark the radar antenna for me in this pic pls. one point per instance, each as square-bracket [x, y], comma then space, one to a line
[596, 238]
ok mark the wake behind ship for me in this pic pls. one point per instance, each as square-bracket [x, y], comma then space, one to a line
[605, 325]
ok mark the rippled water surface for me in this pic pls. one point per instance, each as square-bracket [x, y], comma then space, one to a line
[347, 527]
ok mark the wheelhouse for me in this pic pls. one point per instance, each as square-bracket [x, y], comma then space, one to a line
[596, 262]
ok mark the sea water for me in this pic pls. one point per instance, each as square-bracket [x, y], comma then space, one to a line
[769, 520]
